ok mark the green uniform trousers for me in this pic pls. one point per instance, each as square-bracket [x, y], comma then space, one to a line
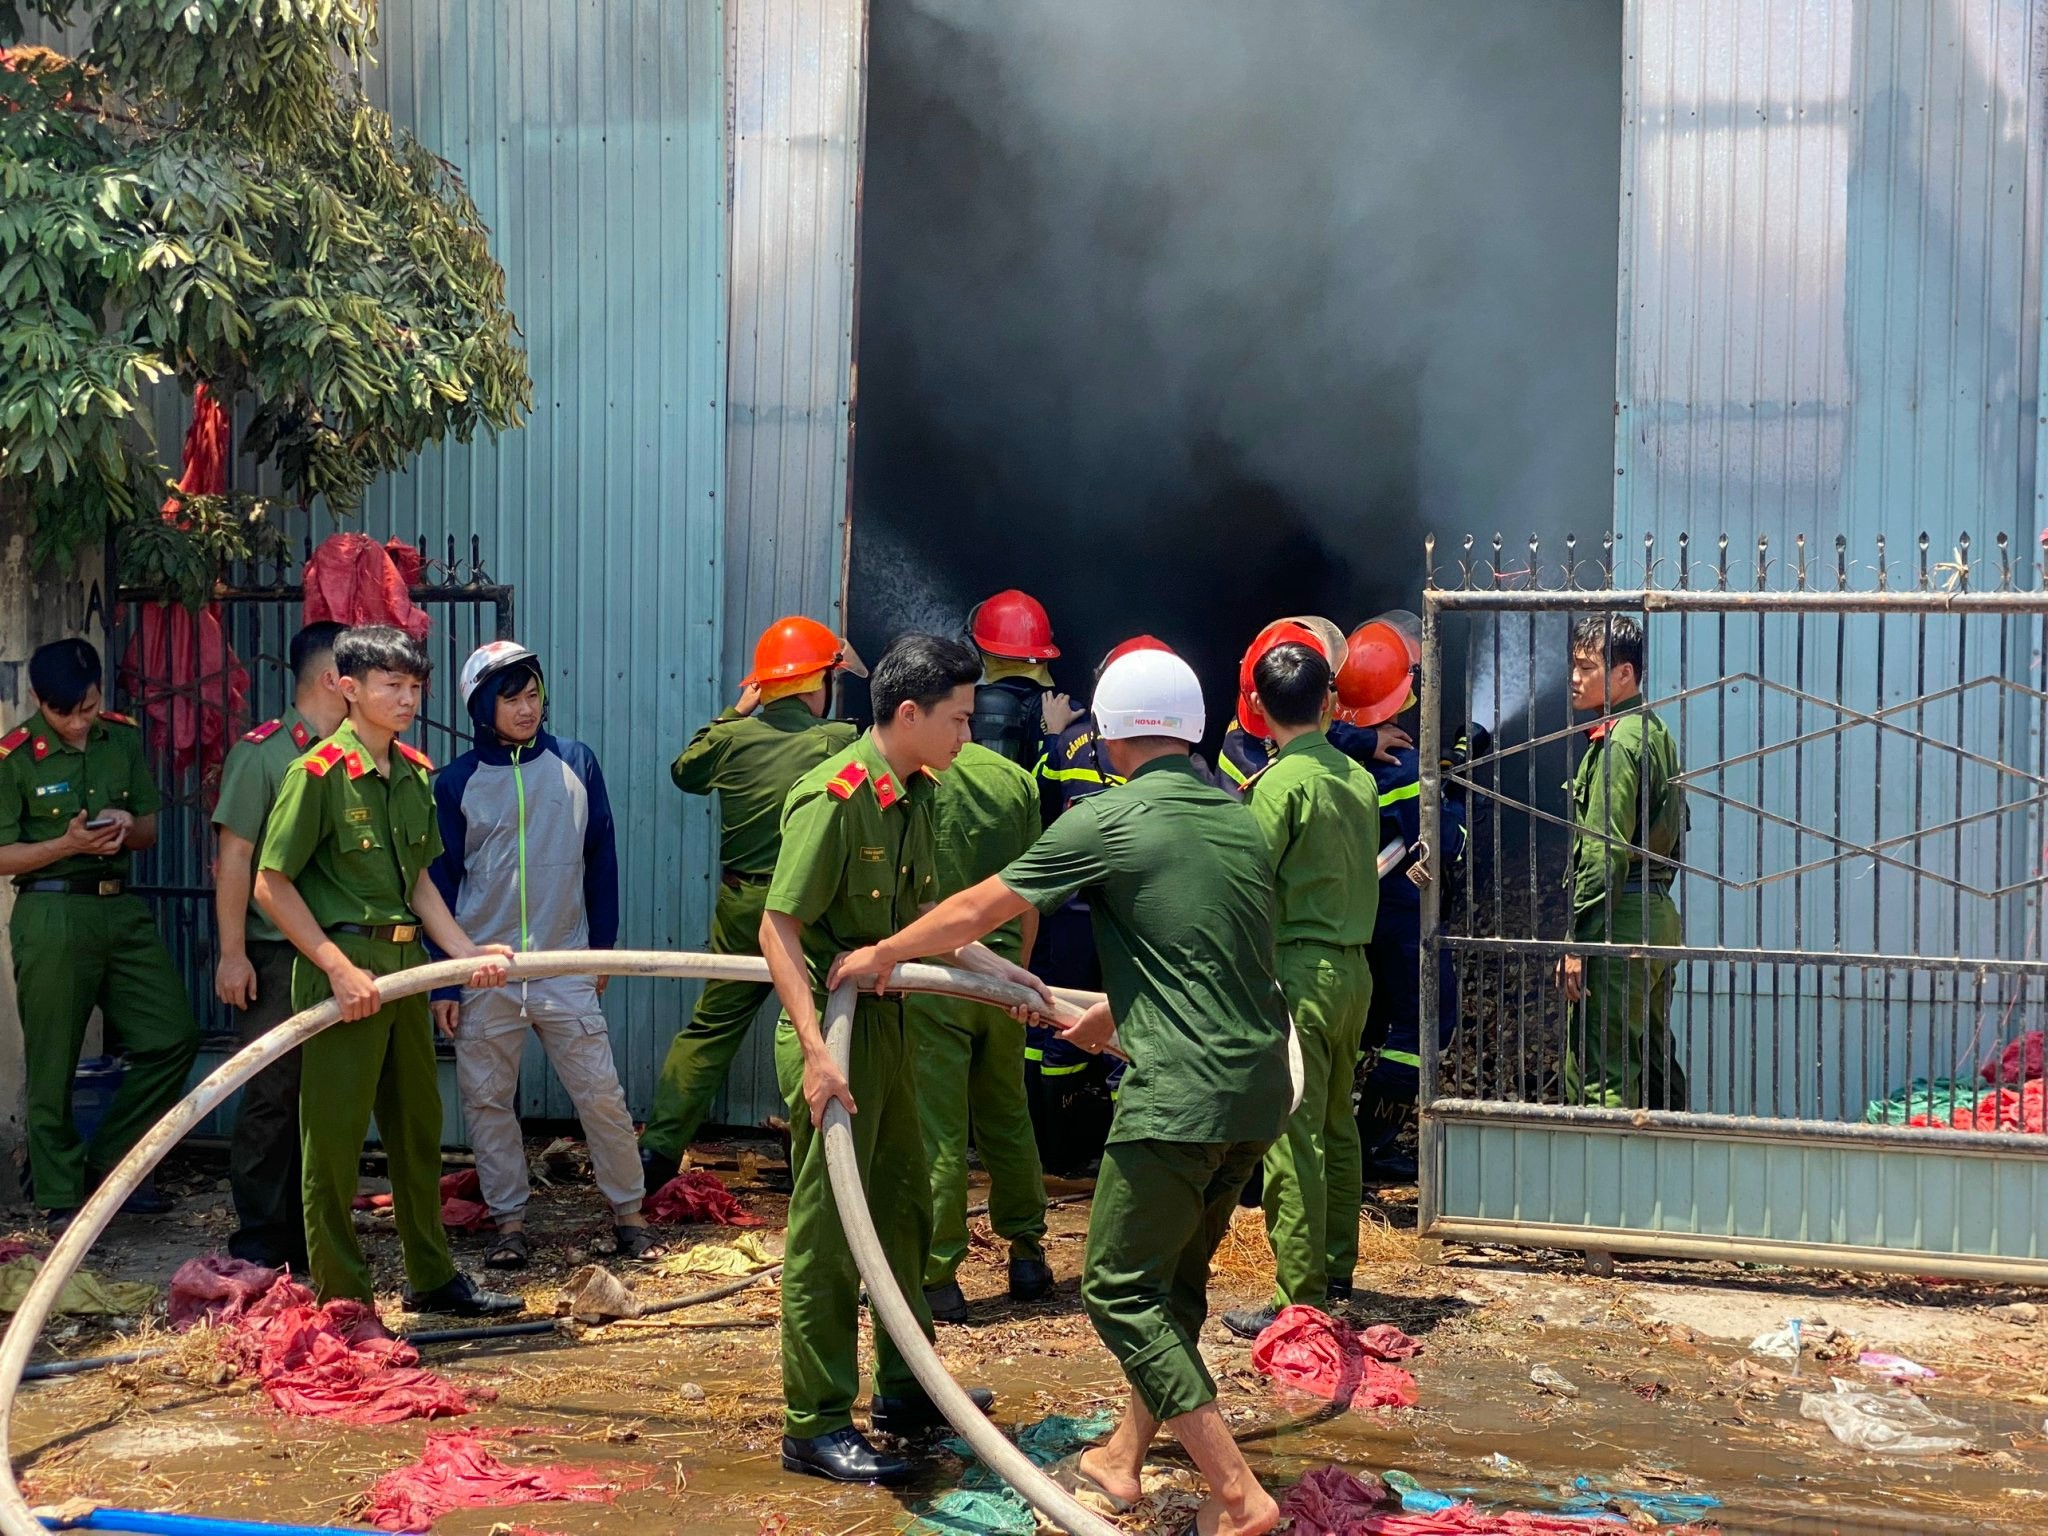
[969, 1066]
[693, 1073]
[1315, 1173]
[820, 1285]
[73, 953]
[1618, 1048]
[1161, 1207]
[383, 1064]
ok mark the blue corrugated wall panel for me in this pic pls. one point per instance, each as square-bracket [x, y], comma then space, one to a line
[593, 136]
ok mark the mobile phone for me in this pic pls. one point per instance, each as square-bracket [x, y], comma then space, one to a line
[99, 823]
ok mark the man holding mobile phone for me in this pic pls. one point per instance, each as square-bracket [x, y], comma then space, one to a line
[75, 800]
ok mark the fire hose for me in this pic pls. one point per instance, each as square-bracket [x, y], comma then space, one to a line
[891, 1309]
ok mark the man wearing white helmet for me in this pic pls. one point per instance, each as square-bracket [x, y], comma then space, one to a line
[1180, 890]
[529, 860]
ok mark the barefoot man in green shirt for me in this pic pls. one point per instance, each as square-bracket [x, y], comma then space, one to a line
[1180, 889]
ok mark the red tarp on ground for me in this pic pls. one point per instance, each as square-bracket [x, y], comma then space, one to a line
[698, 1197]
[1312, 1352]
[353, 579]
[458, 1471]
[2025, 1058]
[333, 1362]
[1329, 1500]
[462, 1207]
[2006, 1110]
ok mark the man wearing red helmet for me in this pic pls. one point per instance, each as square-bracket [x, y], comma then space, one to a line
[1014, 636]
[749, 756]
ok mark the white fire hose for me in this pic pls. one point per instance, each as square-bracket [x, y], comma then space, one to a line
[890, 1307]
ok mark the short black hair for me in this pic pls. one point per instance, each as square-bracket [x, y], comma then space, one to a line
[921, 669]
[368, 648]
[1293, 683]
[1614, 637]
[310, 644]
[63, 673]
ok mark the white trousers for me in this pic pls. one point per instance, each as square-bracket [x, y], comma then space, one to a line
[580, 1051]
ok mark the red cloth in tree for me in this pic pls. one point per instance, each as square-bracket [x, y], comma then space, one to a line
[2025, 1058]
[215, 1289]
[458, 1471]
[698, 1196]
[462, 1207]
[1311, 1351]
[353, 579]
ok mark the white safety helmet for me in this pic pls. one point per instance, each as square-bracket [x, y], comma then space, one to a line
[1149, 693]
[491, 658]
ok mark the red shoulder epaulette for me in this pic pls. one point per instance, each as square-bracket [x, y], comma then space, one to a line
[1598, 730]
[12, 740]
[886, 791]
[265, 731]
[114, 718]
[301, 737]
[415, 756]
[319, 762]
[843, 783]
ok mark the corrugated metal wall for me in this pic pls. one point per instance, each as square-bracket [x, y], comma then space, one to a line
[1830, 310]
[797, 96]
[593, 138]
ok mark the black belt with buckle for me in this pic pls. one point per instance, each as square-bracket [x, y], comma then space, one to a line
[83, 885]
[383, 933]
[732, 879]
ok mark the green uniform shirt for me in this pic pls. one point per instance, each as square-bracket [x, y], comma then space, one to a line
[44, 784]
[1628, 774]
[1180, 887]
[858, 856]
[249, 782]
[984, 815]
[1320, 812]
[752, 760]
[353, 841]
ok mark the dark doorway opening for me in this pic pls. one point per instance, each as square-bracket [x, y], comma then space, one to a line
[1185, 314]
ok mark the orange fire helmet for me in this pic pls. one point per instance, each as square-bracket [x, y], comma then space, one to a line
[1013, 624]
[1279, 632]
[1409, 626]
[797, 647]
[1378, 676]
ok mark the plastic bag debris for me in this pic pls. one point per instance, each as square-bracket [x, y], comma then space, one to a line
[1779, 1344]
[1597, 1494]
[593, 1294]
[1894, 1423]
[1416, 1499]
[1547, 1378]
[1895, 1367]
[985, 1505]
[742, 1256]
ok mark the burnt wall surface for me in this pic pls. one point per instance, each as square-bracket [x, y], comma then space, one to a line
[1183, 314]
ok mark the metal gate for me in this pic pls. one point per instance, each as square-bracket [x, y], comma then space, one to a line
[1857, 996]
[195, 683]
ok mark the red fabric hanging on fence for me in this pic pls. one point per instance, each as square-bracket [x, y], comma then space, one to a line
[178, 666]
[352, 579]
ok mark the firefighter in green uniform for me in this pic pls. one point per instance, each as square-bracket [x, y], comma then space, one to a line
[1320, 813]
[970, 1057]
[857, 862]
[254, 972]
[1629, 831]
[1180, 889]
[75, 800]
[749, 756]
[343, 874]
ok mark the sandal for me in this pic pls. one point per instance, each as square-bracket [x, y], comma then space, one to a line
[637, 1243]
[510, 1251]
[1066, 1474]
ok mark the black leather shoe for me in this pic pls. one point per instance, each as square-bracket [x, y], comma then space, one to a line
[1030, 1280]
[915, 1415]
[463, 1297]
[148, 1200]
[946, 1302]
[1250, 1323]
[658, 1167]
[55, 1222]
[1338, 1291]
[844, 1456]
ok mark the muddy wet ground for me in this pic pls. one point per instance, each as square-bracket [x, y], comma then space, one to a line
[1669, 1398]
